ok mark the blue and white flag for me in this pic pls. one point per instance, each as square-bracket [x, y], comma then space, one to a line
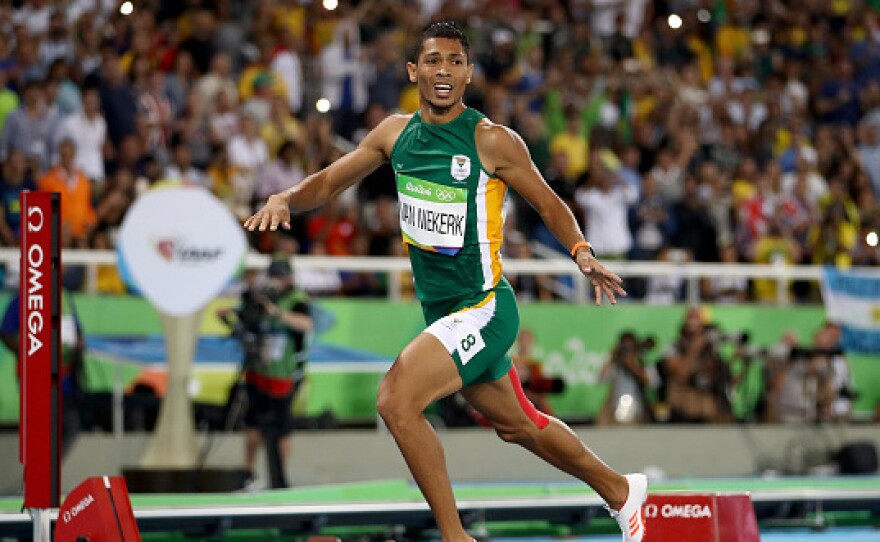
[852, 299]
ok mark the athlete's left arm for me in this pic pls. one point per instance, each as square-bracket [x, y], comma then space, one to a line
[504, 154]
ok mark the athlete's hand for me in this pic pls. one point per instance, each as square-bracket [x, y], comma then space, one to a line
[604, 281]
[275, 212]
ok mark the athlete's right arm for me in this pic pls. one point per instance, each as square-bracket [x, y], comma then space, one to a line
[319, 187]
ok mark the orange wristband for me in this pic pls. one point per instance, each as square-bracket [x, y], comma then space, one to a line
[580, 244]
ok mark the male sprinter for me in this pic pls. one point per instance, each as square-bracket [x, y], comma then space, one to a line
[453, 167]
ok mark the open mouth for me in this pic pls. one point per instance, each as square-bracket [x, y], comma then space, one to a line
[443, 90]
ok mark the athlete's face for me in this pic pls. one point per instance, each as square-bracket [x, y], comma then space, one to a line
[442, 72]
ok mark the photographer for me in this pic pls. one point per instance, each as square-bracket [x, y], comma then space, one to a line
[814, 384]
[72, 361]
[630, 380]
[696, 378]
[273, 324]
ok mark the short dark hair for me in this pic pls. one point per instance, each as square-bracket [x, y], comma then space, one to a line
[441, 29]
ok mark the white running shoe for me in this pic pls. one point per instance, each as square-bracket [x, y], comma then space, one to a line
[629, 517]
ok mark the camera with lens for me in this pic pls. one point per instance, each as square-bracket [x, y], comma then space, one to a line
[251, 323]
[802, 353]
[629, 343]
[719, 337]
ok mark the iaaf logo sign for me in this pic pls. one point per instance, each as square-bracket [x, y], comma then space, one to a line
[685, 511]
[181, 266]
[78, 508]
[176, 250]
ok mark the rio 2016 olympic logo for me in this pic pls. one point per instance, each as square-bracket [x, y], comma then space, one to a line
[444, 195]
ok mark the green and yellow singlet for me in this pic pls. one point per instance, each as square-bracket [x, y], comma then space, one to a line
[451, 209]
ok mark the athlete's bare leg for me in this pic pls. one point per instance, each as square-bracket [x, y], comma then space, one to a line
[556, 443]
[423, 373]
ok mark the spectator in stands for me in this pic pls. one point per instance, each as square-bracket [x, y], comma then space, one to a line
[67, 96]
[181, 168]
[650, 222]
[259, 67]
[344, 80]
[694, 229]
[218, 81]
[668, 288]
[528, 286]
[30, 127]
[287, 64]
[605, 202]
[775, 246]
[34, 16]
[573, 143]
[283, 172]
[387, 74]
[320, 148]
[334, 226]
[224, 119]
[200, 44]
[113, 202]
[838, 99]
[77, 213]
[108, 280]
[248, 152]
[726, 289]
[833, 239]
[56, 44]
[15, 179]
[194, 126]
[669, 170]
[8, 98]
[282, 126]
[129, 154]
[180, 81]
[89, 129]
[117, 99]
[154, 113]
[222, 177]
[258, 104]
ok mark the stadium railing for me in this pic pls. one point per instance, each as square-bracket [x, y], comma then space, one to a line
[576, 287]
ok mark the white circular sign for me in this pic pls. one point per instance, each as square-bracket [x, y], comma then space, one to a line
[180, 246]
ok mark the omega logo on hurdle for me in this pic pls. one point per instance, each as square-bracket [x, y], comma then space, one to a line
[686, 511]
[35, 280]
[77, 508]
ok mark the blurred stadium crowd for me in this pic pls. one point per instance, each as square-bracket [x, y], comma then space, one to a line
[705, 130]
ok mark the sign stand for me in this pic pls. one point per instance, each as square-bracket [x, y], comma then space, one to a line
[174, 441]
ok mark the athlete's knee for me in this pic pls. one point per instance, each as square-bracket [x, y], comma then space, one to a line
[386, 402]
[392, 404]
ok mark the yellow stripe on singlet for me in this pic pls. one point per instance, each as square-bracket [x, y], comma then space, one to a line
[495, 191]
